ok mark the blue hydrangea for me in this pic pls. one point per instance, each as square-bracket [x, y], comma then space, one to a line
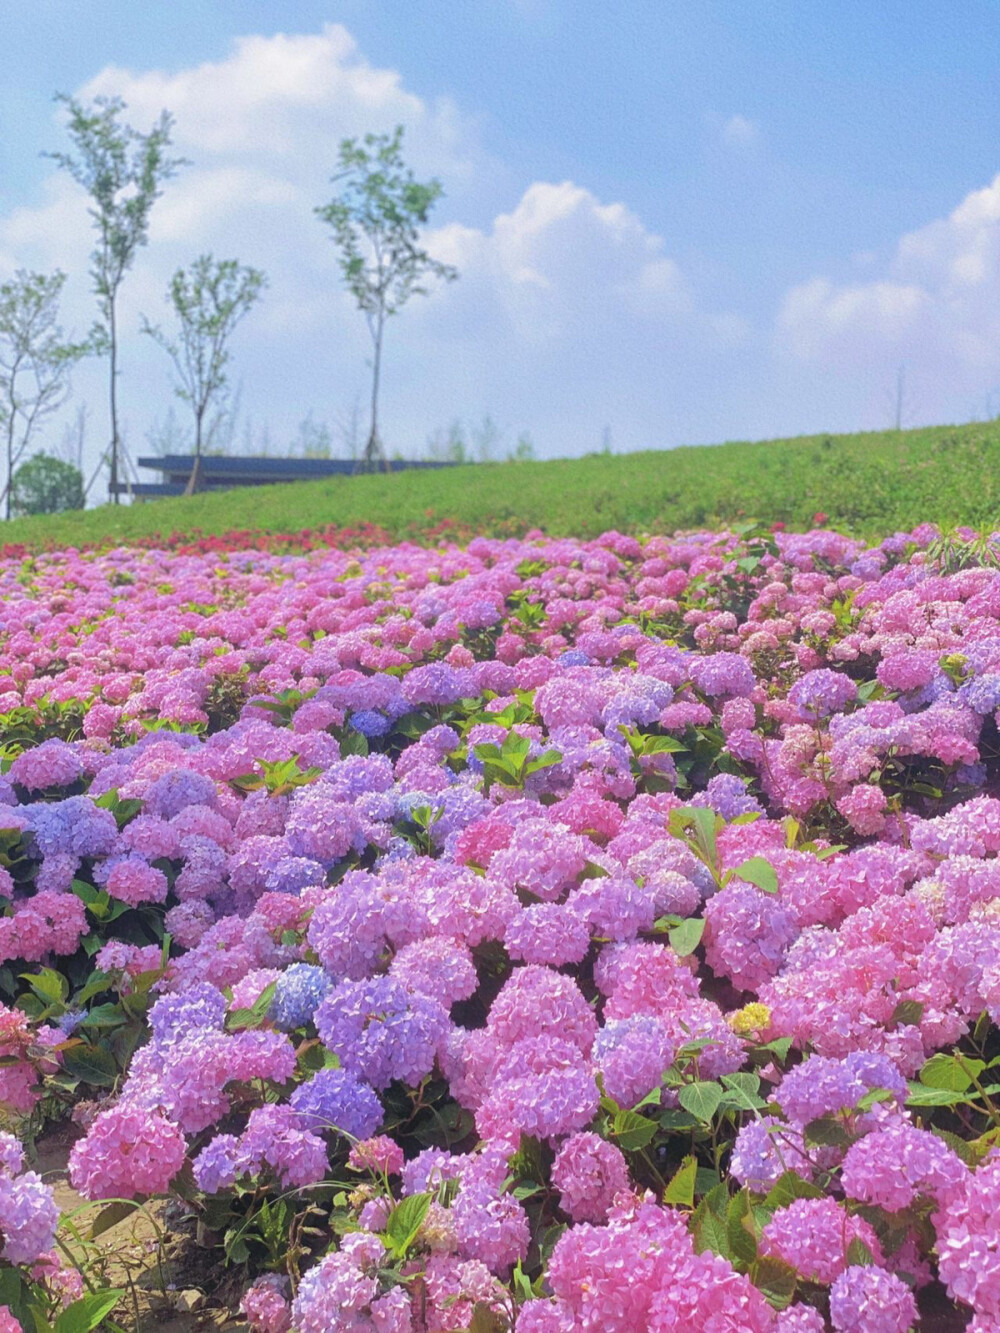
[297, 995]
[292, 874]
[75, 827]
[370, 723]
[337, 1099]
[982, 694]
[68, 1022]
[574, 657]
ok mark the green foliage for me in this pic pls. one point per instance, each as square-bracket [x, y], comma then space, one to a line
[375, 220]
[376, 217]
[35, 360]
[511, 764]
[46, 485]
[209, 299]
[123, 172]
[867, 485]
[279, 778]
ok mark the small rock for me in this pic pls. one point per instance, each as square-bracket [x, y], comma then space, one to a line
[188, 1301]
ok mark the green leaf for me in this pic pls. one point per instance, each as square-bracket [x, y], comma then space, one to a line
[88, 1312]
[945, 1071]
[859, 1255]
[704, 821]
[746, 1089]
[908, 1013]
[521, 1282]
[662, 745]
[875, 1096]
[671, 1119]
[759, 872]
[106, 1015]
[776, 1279]
[741, 1228]
[486, 1320]
[779, 1048]
[404, 1222]
[827, 1132]
[686, 937]
[631, 1131]
[90, 1064]
[110, 1215]
[545, 760]
[701, 1099]
[262, 1004]
[680, 1186]
[788, 1187]
[708, 1222]
[97, 982]
[48, 985]
[921, 1096]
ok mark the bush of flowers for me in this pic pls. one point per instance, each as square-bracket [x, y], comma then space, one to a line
[539, 935]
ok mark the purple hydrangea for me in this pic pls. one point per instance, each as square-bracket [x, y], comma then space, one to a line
[727, 795]
[337, 1099]
[871, 1300]
[200, 1006]
[381, 1031]
[822, 692]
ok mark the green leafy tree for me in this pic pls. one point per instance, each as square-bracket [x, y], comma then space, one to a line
[209, 299]
[35, 361]
[376, 218]
[123, 172]
[47, 485]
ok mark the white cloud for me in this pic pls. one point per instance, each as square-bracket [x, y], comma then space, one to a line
[936, 307]
[286, 101]
[738, 131]
[569, 312]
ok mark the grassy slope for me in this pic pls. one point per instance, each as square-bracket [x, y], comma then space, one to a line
[868, 484]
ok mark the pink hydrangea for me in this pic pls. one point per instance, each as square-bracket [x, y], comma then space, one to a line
[814, 1237]
[588, 1172]
[128, 1151]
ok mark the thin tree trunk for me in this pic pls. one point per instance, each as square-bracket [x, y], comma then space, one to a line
[373, 449]
[10, 463]
[192, 484]
[113, 483]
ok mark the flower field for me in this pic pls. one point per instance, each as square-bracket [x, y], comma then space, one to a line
[546, 935]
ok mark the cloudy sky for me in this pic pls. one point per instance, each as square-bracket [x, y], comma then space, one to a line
[675, 222]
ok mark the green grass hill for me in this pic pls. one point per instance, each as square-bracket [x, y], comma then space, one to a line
[868, 484]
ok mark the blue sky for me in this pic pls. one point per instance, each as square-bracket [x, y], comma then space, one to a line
[685, 222]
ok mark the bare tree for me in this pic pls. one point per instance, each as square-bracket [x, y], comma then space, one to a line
[900, 398]
[347, 428]
[209, 299]
[35, 361]
[74, 438]
[123, 172]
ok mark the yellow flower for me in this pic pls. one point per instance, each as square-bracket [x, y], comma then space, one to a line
[750, 1019]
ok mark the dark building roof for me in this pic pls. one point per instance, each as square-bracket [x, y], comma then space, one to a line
[216, 472]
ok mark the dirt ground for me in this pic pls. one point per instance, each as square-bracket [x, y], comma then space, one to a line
[152, 1255]
[149, 1254]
